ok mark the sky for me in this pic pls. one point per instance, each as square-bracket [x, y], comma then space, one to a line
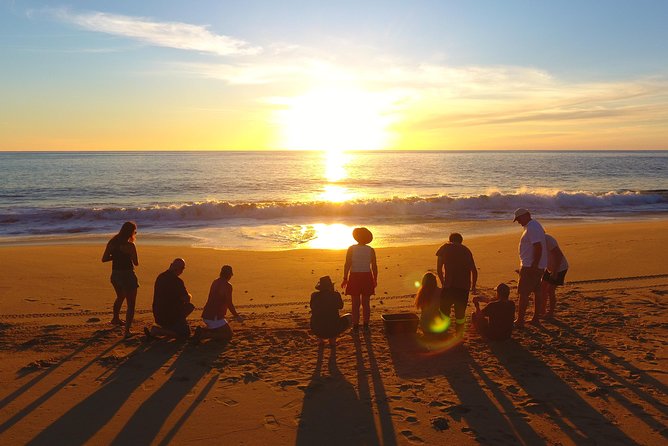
[345, 75]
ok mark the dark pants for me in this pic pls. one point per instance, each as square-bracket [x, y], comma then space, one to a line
[181, 327]
[457, 297]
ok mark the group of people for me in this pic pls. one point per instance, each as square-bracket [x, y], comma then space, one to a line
[171, 300]
[543, 267]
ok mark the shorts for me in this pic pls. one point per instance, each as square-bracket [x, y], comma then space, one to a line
[457, 297]
[529, 281]
[360, 284]
[213, 324]
[559, 280]
[124, 279]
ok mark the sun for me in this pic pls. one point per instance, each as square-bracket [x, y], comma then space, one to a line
[335, 119]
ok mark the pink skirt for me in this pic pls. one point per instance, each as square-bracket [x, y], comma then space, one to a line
[360, 284]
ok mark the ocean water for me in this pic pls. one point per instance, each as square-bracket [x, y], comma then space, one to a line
[283, 200]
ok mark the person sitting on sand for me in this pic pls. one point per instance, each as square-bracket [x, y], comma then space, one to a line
[428, 301]
[217, 304]
[495, 321]
[325, 305]
[171, 304]
[360, 275]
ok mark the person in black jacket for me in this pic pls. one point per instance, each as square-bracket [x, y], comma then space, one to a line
[325, 305]
[171, 304]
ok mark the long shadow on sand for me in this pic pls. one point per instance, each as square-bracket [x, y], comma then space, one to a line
[552, 397]
[453, 361]
[332, 413]
[84, 420]
[616, 359]
[382, 406]
[575, 356]
[36, 403]
[188, 369]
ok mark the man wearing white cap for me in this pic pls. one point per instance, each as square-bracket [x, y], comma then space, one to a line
[533, 261]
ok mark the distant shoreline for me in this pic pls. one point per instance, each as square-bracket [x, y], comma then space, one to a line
[106, 151]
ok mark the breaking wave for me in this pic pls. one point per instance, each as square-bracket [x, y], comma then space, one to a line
[211, 213]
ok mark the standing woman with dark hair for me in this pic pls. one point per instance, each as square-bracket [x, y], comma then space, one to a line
[122, 252]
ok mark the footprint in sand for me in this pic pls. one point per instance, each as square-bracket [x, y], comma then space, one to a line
[291, 405]
[288, 382]
[404, 409]
[229, 402]
[440, 423]
[270, 422]
[411, 437]
[32, 300]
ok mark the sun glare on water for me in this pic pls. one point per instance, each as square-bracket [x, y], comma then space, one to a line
[329, 236]
[335, 119]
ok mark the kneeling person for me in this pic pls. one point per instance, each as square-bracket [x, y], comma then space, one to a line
[217, 304]
[495, 321]
[325, 305]
[171, 304]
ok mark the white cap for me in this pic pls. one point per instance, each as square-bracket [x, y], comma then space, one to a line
[519, 212]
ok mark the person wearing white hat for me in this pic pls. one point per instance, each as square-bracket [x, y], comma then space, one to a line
[533, 261]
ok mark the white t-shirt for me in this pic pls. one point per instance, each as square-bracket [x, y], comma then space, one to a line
[533, 233]
[361, 259]
[552, 244]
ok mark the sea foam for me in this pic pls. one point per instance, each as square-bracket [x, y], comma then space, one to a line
[494, 205]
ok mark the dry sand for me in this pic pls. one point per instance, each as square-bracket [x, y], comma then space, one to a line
[597, 374]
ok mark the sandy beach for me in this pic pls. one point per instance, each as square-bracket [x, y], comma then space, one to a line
[597, 374]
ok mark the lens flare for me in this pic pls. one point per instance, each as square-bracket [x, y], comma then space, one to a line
[434, 347]
[440, 324]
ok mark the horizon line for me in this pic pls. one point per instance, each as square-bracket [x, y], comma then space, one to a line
[319, 150]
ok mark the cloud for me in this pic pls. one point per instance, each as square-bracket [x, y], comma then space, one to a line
[178, 35]
[615, 103]
[425, 96]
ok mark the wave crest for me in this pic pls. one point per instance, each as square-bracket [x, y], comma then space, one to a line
[492, 205]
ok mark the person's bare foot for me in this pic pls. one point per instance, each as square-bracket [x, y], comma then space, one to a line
[117, 321]
[535, 321]
[128, 334]
[518, 324]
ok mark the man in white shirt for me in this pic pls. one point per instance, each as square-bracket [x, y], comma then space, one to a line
[533, 261]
